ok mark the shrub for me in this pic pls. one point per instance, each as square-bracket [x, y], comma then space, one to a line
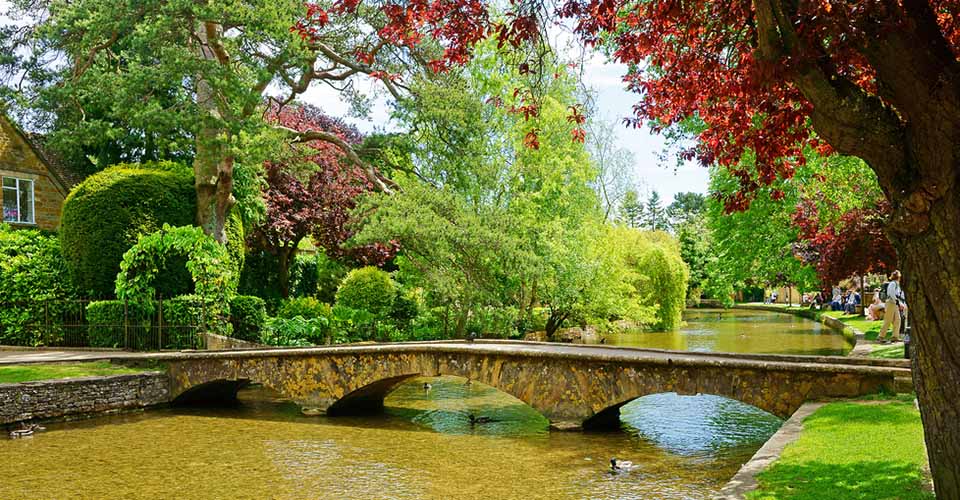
[248, 315]
[258, 277]
[208, 263]
[305, 307]
[297, 331]
[368, 289]
[107, 326]
[105, 214]
[31, 271]
[304, 276]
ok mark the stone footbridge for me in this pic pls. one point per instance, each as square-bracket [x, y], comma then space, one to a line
[573, 386]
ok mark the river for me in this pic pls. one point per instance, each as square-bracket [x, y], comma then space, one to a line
[423, 447]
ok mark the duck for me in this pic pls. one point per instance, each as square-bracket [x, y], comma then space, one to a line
[620, 465]
[471, 337]
[427, 386]
[26, 431]
[474, 420]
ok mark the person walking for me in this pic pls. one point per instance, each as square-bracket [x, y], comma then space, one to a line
[891, 312]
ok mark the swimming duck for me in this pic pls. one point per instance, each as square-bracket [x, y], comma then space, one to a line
[474, 420]
[620, 465]
[427, 386]
[25, 431]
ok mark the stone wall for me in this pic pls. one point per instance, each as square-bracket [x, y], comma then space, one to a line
[79, 396]
[216, 342]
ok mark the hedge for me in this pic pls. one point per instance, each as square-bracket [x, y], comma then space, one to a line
[369, 289]
[248, 315]
[105, 214]
[31, 271]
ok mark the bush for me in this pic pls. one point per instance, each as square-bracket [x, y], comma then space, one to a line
[297, 331]
[104, 215]
[305, 307]
[248, 315]
[208, 262]
[107, 327]
[368, 289]
[304, 276]
[31, 271]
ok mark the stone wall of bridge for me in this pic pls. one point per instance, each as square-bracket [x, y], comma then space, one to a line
[571, 390]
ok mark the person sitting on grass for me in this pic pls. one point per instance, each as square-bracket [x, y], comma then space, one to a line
[874, 311]
[853, 300]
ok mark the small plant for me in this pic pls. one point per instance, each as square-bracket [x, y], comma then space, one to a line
[306, 307]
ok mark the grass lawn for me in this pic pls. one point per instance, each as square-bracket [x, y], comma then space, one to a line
[893, 351]
[858, 321]
[851, 451]
[25, 373]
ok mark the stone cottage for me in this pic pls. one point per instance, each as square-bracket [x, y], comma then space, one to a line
[34, 186]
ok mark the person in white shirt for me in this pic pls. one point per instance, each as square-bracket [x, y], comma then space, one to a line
[891, 312]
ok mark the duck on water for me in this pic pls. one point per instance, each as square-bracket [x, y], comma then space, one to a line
[26, 431]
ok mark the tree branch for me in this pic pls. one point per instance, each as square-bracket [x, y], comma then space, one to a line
[380, 182]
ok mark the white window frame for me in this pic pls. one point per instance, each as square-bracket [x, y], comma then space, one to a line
[33, 199]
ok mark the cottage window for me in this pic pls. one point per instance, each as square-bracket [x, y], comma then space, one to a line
[18, 200]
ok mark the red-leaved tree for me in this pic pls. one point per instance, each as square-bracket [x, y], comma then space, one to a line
[312, 193]
[854, 245]
[875, 79]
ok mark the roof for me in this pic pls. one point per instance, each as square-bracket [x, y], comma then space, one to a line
[64, 175]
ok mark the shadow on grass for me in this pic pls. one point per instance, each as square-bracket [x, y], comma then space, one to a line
[856, 481]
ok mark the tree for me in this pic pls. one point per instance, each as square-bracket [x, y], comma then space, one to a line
[613, 164]
[655, 217]
[190, 71]
[631, 209]
[311, 191]
[685, 206]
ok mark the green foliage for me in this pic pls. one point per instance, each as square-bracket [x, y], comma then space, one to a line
[31, 271]
[305, 307]
[111, 326]
[368, 289]
[105, 214]
[309, 275]
[295, 332]
[248, 315]
[208, 262]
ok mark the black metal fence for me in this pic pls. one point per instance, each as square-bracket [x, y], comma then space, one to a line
[132, 325]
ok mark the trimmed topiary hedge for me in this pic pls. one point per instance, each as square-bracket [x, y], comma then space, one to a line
[105, 214]
[368, 289]
[248, 315]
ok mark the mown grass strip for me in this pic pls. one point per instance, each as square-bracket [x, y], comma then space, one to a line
[10, 374]
[850, 451]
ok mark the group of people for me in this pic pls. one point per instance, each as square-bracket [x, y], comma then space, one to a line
[893, 310]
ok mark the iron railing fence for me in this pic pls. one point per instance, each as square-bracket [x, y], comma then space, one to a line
[160, 324]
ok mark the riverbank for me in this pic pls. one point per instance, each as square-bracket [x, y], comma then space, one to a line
[852, 450]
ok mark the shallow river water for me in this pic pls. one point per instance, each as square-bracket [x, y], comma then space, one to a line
[424, 447]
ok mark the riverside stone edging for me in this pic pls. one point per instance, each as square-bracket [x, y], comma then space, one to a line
[745, 480]
[49, 399]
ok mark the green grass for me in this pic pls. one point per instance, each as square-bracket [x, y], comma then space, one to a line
[851, 451]
[870, 329]
[11, 374]
[893, 351]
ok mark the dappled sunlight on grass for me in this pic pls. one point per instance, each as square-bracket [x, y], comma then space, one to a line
[24, 373]
[852, 451]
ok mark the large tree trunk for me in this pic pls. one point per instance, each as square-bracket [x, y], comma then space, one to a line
[212, 165]
[931, 264]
